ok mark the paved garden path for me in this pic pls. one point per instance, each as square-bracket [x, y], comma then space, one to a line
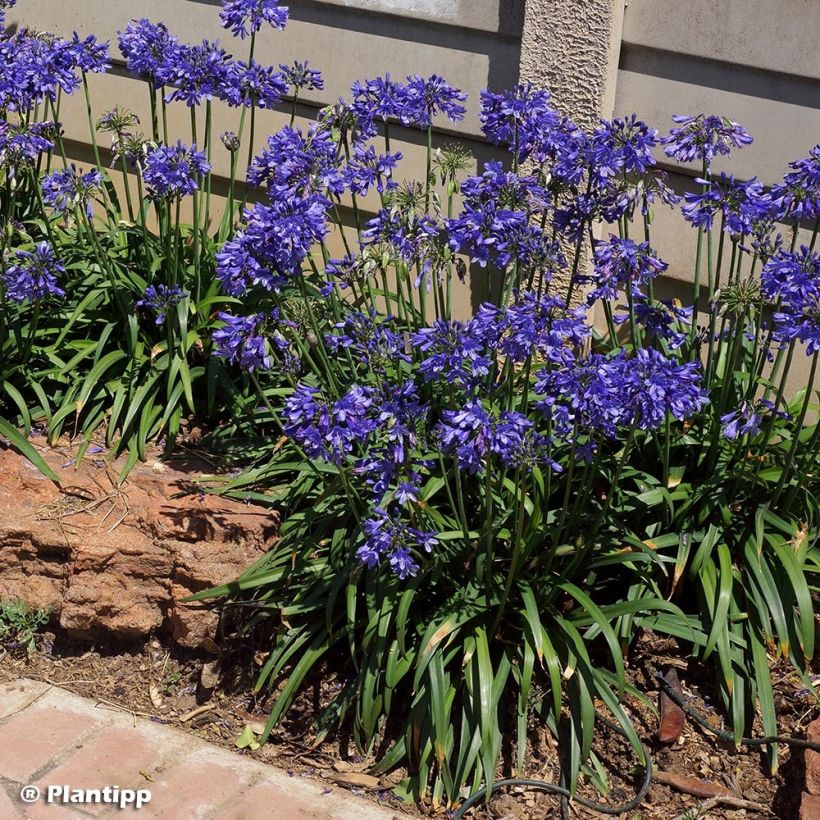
[52, 738]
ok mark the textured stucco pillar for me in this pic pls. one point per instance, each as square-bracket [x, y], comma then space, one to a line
[571, 48]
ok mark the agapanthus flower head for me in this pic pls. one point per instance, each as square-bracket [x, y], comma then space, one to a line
[743, 421]
[299, 76]
[32, 276]
[621, 263]
[542, 325]
[21, 143]
[90, 55]
[174, 170]
[369, 339]
[34, 67]
[741, 203]
[387, 536]
[148, 48]
[423, 99]
[380, 98]
[295, 163]
[521, 118]
[69, 189]
[367, 169]
[798, 196]
[160, 299]
[271, 247]
[329, 430]
[793, 281]
[660, 320]
[703, 137]
[245, 17]
[651, 386]
[241, 341]
[452, 351]
[252, 84]
[621, 146]
[196, 72]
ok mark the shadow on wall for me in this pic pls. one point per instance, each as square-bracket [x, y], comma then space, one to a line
[437, 23]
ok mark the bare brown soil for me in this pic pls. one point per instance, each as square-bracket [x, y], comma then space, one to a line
[164, 683]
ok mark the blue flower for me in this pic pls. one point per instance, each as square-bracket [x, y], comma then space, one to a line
[197, 72]
[244, 17]
[798, 196]
[161, 299]
[241, 341]
[385, 535]
[66, 190]
[740, 203]
[621, 263]
[300, 76]
[453, 351]
[521, 118]
[21, 144]
[745, 420]
[367, 168]
[147, 47]
[328, 431]
[33, 275]
[174, 170]
[251, 84]
[90, 55]
[369, 339]
[622, 146]
[424, 99]
[703, 137]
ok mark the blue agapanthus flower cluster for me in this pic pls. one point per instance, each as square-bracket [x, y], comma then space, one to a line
[244, 340]
[792, 282]
[415, 103]
[386, 536]
[70, 189]
[160, 299]
[740, 203]
[246, 17]
[35, 67]
[5, 4]
[32, 275]
[21, 143]
[621, 264]
[172, 171]
[798, 196]
[703, 137]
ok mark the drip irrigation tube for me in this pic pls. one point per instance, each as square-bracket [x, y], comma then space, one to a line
[605, 808]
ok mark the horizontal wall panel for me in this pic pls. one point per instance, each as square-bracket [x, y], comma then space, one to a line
[772, 35]
[784, 129]
[346, 41]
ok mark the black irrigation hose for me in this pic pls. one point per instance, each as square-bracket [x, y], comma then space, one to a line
[728, 736]
[633, 804]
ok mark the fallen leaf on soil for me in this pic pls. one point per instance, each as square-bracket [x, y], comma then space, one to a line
[690, 785]
[357, 779]
[673, 718]
[156, 698]
[257, 727]
[208, 679]
[200, 710]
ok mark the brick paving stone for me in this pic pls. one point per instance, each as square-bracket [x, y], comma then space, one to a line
[194, 788]
[66, 739]
[8, 807]
[33, 737]
[20, 694]
[115, 757]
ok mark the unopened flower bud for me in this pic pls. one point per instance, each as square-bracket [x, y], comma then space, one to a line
[230, 141]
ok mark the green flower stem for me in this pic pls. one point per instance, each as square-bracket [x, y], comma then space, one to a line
[517, 549]
[428, 176]
[196, 285]
[790, 458]
[488, 523]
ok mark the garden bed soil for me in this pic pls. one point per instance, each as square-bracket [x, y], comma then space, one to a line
[165, 683]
